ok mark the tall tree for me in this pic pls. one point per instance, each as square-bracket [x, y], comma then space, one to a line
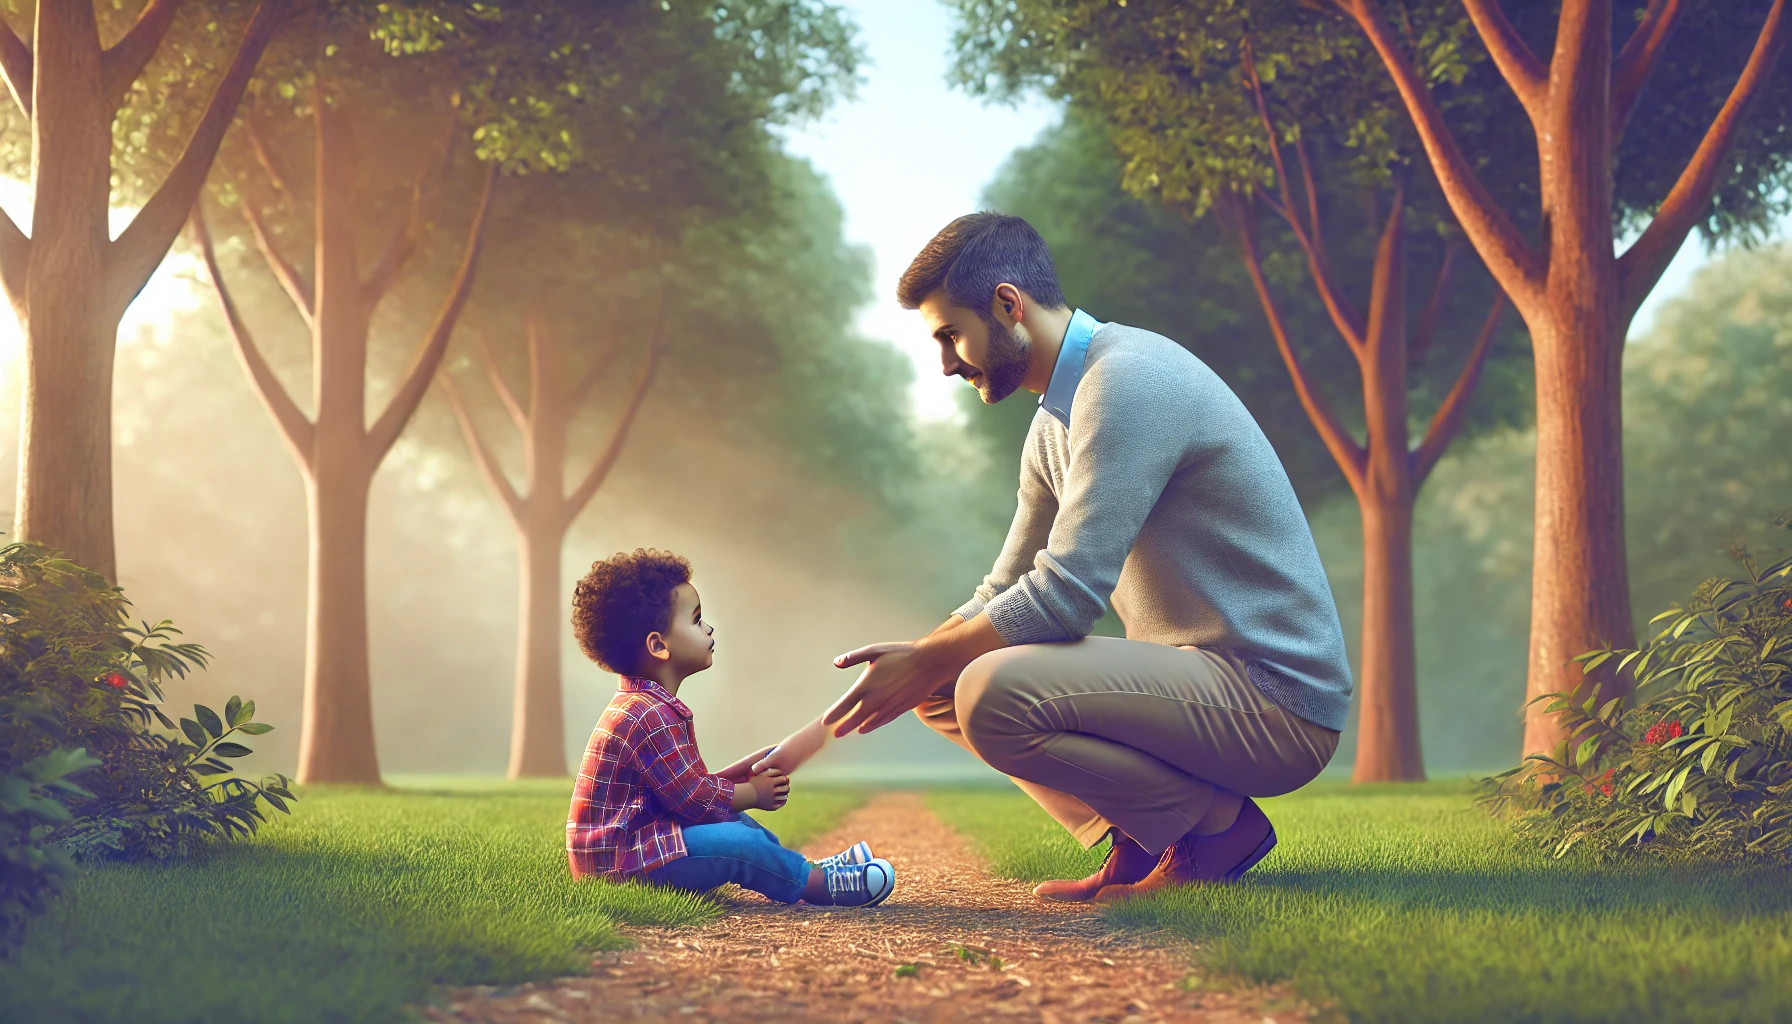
[1210, 104]
[337, 451]
[70, 281]
[542, 510]
[1606, 160]
[659, 109]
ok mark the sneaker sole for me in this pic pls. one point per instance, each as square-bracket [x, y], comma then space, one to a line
[890, 872]
[1262, 851]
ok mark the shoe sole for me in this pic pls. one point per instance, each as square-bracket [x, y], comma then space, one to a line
[1262, 851]
[890, 873]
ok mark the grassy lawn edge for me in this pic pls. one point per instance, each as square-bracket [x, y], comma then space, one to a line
[1405, 903]
[364, 902]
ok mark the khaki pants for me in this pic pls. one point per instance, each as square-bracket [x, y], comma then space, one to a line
[1153, 740]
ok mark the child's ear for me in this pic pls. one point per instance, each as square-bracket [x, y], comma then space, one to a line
[656, 647]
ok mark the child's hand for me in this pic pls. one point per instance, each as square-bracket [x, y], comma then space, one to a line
[772, 789]
[742, 770]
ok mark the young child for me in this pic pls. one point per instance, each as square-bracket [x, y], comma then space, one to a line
[644, 805]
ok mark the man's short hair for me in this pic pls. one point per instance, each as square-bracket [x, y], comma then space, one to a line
[974, 254]
[621, 600]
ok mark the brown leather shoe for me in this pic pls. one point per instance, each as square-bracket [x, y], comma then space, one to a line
[1221, 857]
[1126, 862]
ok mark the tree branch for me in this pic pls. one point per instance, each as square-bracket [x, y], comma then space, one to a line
[16, 63]
[15, 259]
[270, 161]
[1642, 264]
[297, 288]
[482, 455]
[140, 248]
[128, 57]
[1349, 455]
[404, 240]
[1502, 248]
[582, 494]
[294, 426]
[496, 376]
[1434, 306]
[1521, 69]
[1348, 320]
[1636, 62]
[429, 355]
[1447, 422]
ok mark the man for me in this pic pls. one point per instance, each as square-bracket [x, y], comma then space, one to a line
[1146, 481]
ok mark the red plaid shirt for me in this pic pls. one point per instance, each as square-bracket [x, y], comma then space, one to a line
[640, 780]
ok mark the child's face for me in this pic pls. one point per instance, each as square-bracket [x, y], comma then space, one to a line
[688, 645]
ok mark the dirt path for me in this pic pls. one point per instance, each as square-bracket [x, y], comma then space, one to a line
[952, 943]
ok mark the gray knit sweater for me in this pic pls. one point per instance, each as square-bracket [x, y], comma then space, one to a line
[1164, 495]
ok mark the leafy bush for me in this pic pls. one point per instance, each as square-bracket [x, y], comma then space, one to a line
[1700, 764]
[89, 762]
[30, 809]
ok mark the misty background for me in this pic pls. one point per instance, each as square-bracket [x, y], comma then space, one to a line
[838, 492]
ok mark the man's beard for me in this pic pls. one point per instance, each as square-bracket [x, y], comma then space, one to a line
[1009, 349]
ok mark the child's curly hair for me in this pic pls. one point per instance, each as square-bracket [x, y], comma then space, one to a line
[621, 600]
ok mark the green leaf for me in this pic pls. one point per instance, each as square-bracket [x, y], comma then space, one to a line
[254, 728]
[193, 731]
[209, 718]
[233, 710]
[1675, 786]
[229, 749]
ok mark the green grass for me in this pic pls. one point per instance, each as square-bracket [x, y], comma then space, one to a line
[349, 910]
[1404, 903]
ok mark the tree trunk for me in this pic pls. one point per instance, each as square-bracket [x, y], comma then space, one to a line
[537, 731]
[1387, 744]
[69, 315]
[336, 744]
[1580, 590]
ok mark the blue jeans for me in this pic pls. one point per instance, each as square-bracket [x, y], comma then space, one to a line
[739, 850]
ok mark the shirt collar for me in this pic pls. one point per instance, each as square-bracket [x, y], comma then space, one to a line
[636, 684]
[1068, 372]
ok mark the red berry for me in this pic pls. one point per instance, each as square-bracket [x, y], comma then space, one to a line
[1606, 789]
[117, 681]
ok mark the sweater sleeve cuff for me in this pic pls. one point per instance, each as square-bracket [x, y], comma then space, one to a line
[1017, 616]
[969, 609]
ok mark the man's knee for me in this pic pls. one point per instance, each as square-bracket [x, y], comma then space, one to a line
[991, 703]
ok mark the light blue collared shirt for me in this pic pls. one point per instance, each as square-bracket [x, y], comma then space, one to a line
[1068, 372]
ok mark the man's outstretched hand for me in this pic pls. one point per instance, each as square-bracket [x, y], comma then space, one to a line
[899, 676]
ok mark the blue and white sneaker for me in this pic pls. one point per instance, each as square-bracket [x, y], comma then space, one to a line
[860, 885]
[857, 853]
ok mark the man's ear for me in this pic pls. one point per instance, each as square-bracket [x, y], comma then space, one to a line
[656, 647]
[1010, 303]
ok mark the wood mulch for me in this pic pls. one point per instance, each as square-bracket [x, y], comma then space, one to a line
[953, 943]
